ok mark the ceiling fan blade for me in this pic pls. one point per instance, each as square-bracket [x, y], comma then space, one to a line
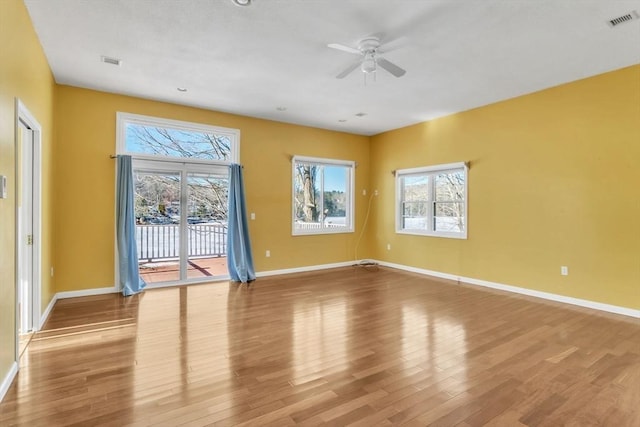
[344, 48]
[392, 44]
[348, 70]
[391, 67]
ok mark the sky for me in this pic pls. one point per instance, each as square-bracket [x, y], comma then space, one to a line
[335, 178]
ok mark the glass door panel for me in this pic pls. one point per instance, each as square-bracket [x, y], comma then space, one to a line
[158, 219]
[207, 205]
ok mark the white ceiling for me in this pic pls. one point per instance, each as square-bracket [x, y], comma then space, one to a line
[459, 54]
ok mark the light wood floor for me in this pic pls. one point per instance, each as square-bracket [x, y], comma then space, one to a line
[341, 347]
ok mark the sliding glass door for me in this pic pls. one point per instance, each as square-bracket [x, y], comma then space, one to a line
[181, 221]
[207, 195]
[158, 219]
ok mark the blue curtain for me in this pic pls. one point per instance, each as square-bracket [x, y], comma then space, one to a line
[239, 257]
[130, 281]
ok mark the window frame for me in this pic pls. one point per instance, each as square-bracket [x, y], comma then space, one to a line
[122, 119]
[182, 165]
[431, 172]
[350, 214]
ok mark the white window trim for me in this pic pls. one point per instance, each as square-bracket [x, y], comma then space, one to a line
[160, 163]
[350, 203]
[122, 119]
[431, 170]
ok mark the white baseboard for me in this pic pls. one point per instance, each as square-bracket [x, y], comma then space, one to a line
[625, 311]
[523, 291]
[8, 380]
[85, 292]
[70, 294]
[304, 269]
[47, 311]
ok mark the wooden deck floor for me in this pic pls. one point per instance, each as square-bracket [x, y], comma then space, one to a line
[340, 347]
[169, 270]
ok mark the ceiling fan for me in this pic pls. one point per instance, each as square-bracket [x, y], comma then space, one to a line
[368, 49]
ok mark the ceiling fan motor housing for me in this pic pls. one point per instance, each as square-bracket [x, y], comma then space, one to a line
[368, 45]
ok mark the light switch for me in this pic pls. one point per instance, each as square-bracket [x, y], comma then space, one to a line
[253, 215]
[3, 187]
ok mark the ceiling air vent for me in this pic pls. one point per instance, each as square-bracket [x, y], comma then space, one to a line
[112, 61]
[624, 18]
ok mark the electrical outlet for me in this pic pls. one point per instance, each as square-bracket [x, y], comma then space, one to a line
[564, 270]
[51, 271]
[364, 192]
[253, 215]
[375, 192]
[388, 246]
[268, 253]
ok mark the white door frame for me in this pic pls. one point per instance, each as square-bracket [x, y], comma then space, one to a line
[24, 116]
[183, 169]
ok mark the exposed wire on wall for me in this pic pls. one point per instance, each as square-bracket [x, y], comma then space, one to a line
[364, 263]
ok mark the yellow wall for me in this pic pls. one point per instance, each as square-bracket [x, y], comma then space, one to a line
[24, 74]
[554, 180]
[85, 181]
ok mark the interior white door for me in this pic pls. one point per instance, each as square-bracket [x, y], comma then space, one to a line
[24, 202]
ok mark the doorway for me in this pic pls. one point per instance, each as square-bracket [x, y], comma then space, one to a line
[28, 246]
[181, 221]
[181, 185]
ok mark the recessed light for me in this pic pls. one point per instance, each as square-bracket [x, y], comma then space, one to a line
[182, 89]
[281, 108]
[361, 114]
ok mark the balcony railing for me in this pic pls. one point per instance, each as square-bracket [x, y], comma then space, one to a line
[158, 242]
[329, 222]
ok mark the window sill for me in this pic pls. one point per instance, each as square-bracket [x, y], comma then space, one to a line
[316, 232]
[460, 236]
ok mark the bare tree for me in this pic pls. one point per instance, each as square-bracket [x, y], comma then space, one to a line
[306, 192]
[175, 143]
[208, 194]
[210, 197]
[156, 194]
[449, 189]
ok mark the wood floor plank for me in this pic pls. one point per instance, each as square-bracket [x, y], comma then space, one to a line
[338, 347]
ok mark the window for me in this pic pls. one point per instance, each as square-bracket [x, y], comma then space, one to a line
[322, 196]
[160, 139]
[432, 201]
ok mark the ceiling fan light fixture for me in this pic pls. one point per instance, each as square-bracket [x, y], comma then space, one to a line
[368, 64]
